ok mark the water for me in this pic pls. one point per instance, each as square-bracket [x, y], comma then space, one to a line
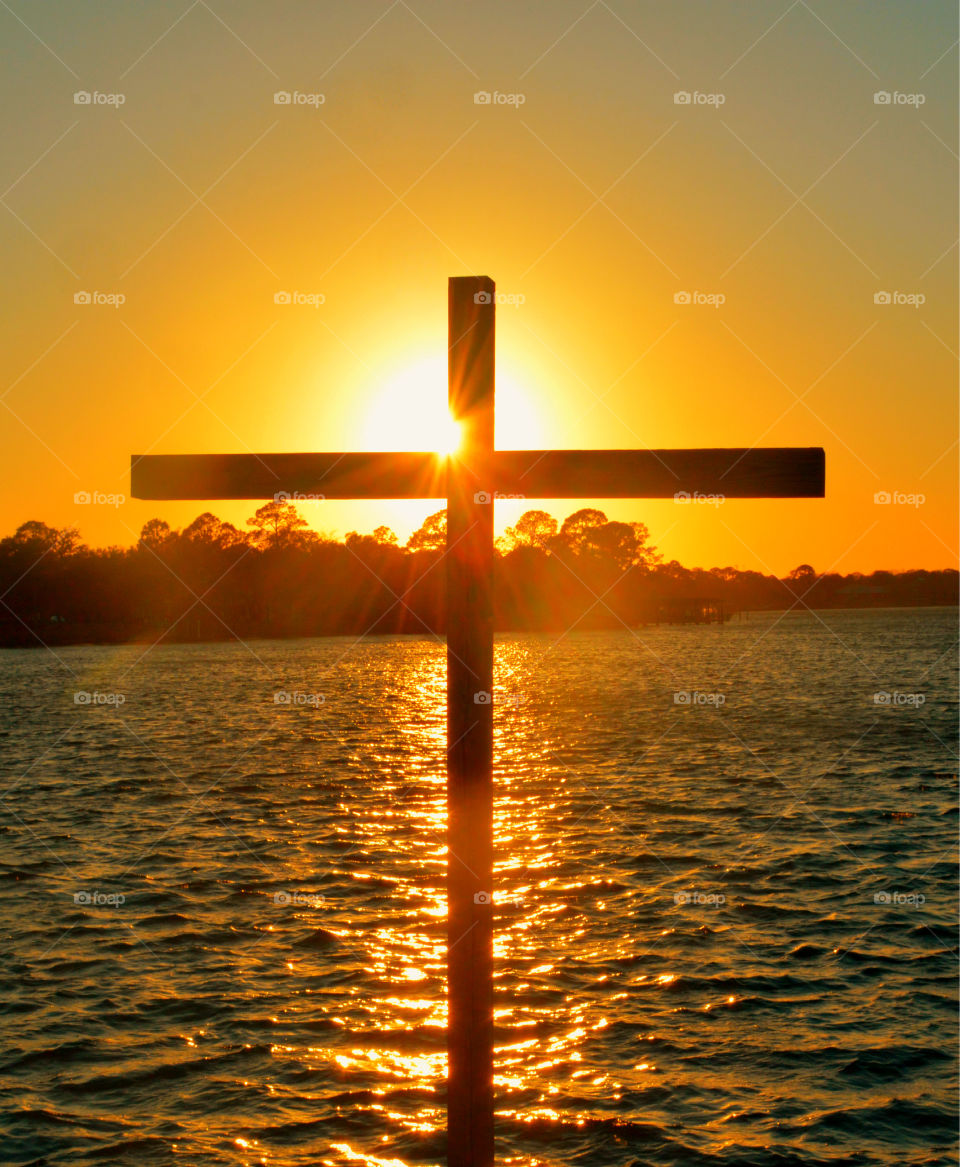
[726, 929]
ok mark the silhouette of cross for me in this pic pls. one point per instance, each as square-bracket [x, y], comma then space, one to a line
[469, 480]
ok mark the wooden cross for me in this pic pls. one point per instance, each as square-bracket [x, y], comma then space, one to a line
[469, 480]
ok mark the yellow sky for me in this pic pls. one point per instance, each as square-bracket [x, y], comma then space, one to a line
[591, 196]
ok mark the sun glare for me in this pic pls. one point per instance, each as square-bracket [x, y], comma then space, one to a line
[448, 436]
[410, 412]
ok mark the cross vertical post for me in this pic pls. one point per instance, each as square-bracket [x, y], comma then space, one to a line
[469, 625]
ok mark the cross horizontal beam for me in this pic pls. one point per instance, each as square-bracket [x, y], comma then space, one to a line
[771, 472]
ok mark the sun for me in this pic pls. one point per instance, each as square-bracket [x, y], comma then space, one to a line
[448, 437]
[409, 412]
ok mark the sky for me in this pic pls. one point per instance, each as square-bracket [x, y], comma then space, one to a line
[712, 224]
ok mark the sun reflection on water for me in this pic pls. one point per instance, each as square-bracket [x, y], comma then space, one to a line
[391, 1037]
[274, 988]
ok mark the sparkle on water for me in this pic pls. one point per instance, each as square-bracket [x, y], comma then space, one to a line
[691, 965]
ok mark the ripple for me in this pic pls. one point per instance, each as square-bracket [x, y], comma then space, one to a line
[692, 966]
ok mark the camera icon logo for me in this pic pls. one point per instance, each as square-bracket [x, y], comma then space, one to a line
[882, 298]
[281, 897]
[681, 698]
[282, 698]
[681, 297]
[681, 97]
[883, 498]
[82, 298]
[682, 496]
[282, 97]
[882, 897]
[82, 97]
[81, 897]
[882, 97]
[82, 497]
[282, 496]
[882, 698]
[681, 897]
[482, 97]
[82, 698]
[482, 496]
[482, 698]
[482, 298]
[481, 897]
[281, 297]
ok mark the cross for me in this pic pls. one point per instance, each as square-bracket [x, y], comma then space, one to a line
[469, 480]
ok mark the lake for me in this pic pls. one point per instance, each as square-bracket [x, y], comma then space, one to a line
[726, 899]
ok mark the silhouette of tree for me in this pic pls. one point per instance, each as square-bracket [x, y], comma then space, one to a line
[210, 531]
[213, 581]
[532, 529]
[615, 542]
[381, 537]
[278, 525]
[37, 538]
[153, 534]
[576, 528]
[432, 535]
[647, 555]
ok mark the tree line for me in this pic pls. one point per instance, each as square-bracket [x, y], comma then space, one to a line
[278, 578]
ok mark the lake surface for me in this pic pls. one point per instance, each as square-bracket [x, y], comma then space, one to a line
[725, 925]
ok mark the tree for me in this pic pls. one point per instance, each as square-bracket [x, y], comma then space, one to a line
[804, 574]
[153, 534]
[210, 531]
[613, 541]
[381, 537]
[278, 525]
[576, 528]
[532, 529]
[432, 535]
[647, 555]
[36, 537]
[725, 574]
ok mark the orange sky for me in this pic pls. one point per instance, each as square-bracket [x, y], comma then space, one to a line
[794, 195]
